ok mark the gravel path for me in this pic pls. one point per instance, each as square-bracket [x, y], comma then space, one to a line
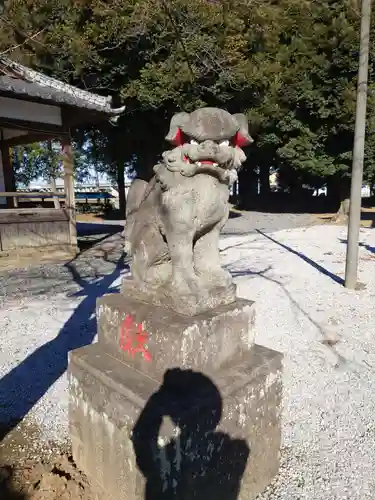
[329, 397]
[105, 254]
[249, 222]
[325, 332]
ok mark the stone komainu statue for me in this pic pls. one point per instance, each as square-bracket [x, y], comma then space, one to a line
[174, 221]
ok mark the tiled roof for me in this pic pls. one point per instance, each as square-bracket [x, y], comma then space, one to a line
[22, 81]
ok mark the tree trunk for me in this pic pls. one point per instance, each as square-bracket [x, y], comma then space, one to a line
[333, 193]
[342, 194]
[264, 177]
[97, 178]
[343, 211]
[121, 189]
[145, 164]
[247, 187]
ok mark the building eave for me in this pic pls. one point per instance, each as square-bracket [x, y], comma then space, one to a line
[24, 82]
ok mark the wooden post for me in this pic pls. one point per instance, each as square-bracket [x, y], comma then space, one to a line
[56, 201]
[68, 162]
[351, 268]
[9, 182]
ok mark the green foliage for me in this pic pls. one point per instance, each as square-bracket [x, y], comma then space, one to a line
[43, 160]
[291, 65]
[38, 160]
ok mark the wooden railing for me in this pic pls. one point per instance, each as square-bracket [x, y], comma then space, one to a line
[31, 194]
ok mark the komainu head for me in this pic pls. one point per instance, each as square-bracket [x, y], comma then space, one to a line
[207, 140]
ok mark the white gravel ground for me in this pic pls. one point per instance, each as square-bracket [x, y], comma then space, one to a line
[326, 333]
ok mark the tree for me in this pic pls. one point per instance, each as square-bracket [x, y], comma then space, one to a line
[106, 152]
[289, 64]
[319, 125]
[43, 160]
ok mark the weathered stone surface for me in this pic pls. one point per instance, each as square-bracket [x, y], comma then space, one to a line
[203, 342]
[197, 436]
[175, 401]
[187, 305]
[173, 229]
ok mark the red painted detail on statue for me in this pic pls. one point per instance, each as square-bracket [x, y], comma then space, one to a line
[240, 140]
[133, 338]
[178, 139]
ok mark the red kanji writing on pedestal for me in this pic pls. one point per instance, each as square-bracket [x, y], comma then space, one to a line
[133, 338]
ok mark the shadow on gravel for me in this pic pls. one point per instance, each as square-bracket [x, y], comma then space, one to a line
[92, 228]
[327, 341]
[24, 385]
[306, 259]
[234, 215]
[91, 233]
[369, 248]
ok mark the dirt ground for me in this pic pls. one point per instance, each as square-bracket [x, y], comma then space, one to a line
[367, 218]
[44, 480]
[31, 469]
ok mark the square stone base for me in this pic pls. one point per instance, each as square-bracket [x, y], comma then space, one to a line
[197, 436]
[152, 339]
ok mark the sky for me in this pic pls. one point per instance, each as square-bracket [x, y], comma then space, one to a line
[103, 180]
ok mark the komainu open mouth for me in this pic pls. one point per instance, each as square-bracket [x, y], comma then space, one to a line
[204, 161]
[201, 162]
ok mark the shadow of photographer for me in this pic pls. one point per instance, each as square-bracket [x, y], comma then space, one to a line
[189, 459]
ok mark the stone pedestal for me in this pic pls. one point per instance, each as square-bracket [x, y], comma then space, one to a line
[144, 426]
